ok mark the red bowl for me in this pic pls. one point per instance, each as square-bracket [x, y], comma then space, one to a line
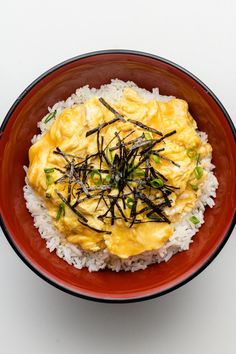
[95, 69]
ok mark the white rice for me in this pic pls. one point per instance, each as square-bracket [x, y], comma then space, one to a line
[184, 230]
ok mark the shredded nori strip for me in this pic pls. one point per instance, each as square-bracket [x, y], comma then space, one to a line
[133, 212]
[70, 206]
[168, 134]
[165, 158]
[101, 126]
[156, 173]
[99, 201]
[153, 206]
[58, 151]
[139, 139]
[143, 126]
[111, 109]
[149, 147]
[121, 211]
[83, 187]
[157, 141]
[71, 174]
[170, 187]
[109, 143]
[141, 144]
[94, 229]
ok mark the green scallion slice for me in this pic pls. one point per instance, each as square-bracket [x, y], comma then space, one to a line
[50, 116]
[198, 158]
[61, 211]
[192, 154]
[109, 155]
[194, 220]
[138, 172]
[194, 187]
[148, 136]
[96, 177]
[155, 158]
[49, 179]
[154, 216]
[157, 183]
[107, 179]
[129, 202]
[49, 170]
[198, 172]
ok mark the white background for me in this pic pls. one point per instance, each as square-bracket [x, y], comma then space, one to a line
[36, 318]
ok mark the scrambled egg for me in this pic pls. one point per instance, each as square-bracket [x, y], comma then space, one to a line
[68, 133]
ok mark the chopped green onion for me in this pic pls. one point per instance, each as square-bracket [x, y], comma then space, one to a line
[96, 177]
[130, 168]
[194, 220]
[49, 170]
[194, 187]
[109, 155]
[138, 172]
[155, 158]
[129, 202]
[198, 158]
[50, 116]
[61, 211]
[192, 154]
[107, 179]
[157, 183]
[198, 172]
[154, 216]
[48, 195]
[148, 136]
[49, 180]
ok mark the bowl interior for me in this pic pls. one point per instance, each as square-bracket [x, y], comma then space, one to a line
[95, 70]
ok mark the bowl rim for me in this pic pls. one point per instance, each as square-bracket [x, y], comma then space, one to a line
[120, 299]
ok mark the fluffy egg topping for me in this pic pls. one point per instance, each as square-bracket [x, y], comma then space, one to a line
[65, 144]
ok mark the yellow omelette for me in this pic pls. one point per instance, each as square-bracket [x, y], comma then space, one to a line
[68, 134]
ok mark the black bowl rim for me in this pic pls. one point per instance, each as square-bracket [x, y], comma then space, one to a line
[108, 299]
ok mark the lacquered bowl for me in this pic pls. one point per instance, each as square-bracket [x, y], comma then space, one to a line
[95, 69]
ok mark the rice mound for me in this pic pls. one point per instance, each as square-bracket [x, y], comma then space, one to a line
[94, 261]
